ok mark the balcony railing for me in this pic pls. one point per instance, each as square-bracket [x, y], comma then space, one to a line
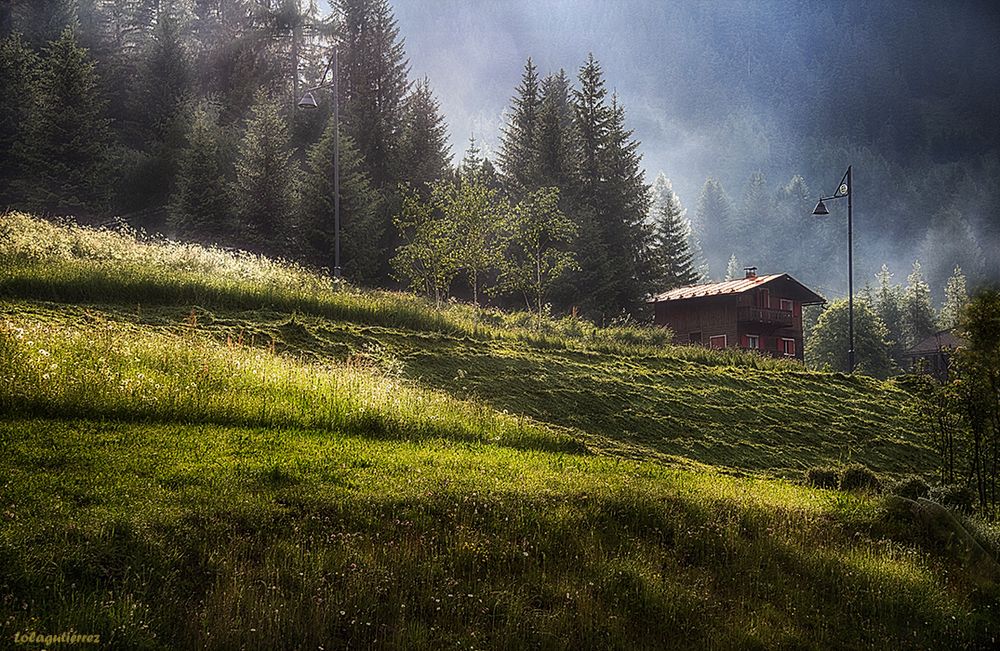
[766, 315]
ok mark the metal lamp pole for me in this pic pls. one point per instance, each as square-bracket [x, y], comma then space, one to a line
[309, 102]
[846, 189]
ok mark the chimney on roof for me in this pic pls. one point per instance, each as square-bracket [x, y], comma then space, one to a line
[751, 272]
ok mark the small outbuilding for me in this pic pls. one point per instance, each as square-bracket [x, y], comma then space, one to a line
[762, 313]
[933, 354]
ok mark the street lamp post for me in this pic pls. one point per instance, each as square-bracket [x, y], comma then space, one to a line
[309, 102]
[845, 189]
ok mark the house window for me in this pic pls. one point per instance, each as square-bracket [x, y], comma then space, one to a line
[764, 298]
[787, 305]
[786, 346]
[752, 341]
[717, 341]
[694, 338]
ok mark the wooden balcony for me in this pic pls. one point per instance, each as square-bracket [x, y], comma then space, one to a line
[766, 316]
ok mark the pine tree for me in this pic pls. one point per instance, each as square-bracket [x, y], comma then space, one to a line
[373, 84]
[672, 250]
[424, 142]
[264, 191]
[711, 217]
[68, 137]
[19, 69]
[888, 304]
[919, 318]
[956, 298]
[360, 226]
[519, 139]
[663, 195]
[200, 204]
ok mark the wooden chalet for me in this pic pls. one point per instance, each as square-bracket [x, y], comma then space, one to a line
[761, 313]
[933, 354]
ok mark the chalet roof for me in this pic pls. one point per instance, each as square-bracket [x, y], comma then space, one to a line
[738, 286]
[941, 340]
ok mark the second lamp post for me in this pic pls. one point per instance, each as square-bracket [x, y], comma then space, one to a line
[845, 189]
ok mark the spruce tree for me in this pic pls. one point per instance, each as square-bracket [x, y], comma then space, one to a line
[518, 141]
[424, 142]
[711, 218]
[626, 204]
[199, 208]
[674, 260]
[19, 69]
[373, 84]
[165, 77]
[615, 239]
[663, 196]
[733, 269]
[476, 168]
[68, 137]
[360, 226]
[264, 191]
[557, 147]
[888, 304]
[920, 321]
[747, 222]
[956, 298]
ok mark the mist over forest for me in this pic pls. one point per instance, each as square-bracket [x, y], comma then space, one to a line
[751, 110]
[906, 92]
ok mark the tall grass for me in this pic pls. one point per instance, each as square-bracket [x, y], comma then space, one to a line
[69, 263]
[112, 370]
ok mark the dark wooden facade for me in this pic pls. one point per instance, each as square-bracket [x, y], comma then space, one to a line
[761, 313]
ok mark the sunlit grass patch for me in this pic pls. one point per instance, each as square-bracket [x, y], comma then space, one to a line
[167, 535]
[112, 370]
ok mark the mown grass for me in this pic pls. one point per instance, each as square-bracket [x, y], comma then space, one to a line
[641, 407]
[73, 264]
[168, 536]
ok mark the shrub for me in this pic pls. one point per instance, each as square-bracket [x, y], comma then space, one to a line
[858, 477]
[911, 488]
[955, 496]
[822, 477]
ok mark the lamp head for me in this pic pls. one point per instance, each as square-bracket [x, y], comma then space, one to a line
[308, 101]
[821, 209]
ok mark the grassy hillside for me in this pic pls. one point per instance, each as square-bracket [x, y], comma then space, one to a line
[201, 448]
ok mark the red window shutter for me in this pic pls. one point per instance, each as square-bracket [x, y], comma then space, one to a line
[791, 347]
[744, 341]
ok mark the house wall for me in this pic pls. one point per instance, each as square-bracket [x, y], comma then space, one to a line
[711, 316]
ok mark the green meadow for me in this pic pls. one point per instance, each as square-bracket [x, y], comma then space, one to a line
[203, 448]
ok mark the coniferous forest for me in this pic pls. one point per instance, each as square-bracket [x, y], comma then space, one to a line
[180, 117]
